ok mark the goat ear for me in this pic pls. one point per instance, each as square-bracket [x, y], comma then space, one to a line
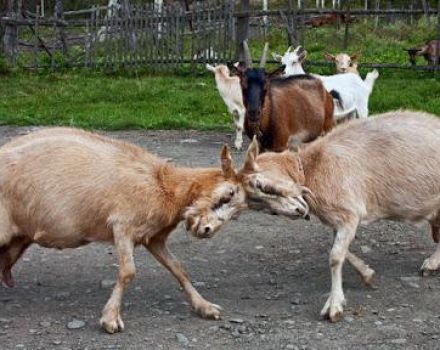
[238, 68]
[251, 155]
[303, 56]
[277, 72]
[329, 57]
[226, 161]
[277, 57]
[355, 56]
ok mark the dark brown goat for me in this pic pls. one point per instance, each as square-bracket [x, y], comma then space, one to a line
[278, 108]
[430, 51]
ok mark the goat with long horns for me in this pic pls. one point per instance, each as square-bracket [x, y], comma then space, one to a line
[277, 107]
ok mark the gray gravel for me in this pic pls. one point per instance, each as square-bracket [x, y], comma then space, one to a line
[269, 274]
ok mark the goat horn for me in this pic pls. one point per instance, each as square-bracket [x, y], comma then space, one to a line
[264, 55]
[247, 55]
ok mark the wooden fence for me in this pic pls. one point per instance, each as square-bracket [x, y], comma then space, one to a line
[171, 37]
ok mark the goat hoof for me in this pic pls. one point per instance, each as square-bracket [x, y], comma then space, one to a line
[208, 310]
[112, 325]
[369, 280]
[427, 269]
[333, 309]
[7, 279]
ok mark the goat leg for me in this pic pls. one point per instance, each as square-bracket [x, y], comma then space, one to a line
[333, 308]
[158, 249]
[111, 319]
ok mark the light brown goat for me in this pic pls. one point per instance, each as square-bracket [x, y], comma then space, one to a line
[63, 188]
[387, 167]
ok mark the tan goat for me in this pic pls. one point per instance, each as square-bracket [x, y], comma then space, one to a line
[63, 188]
[387, 167]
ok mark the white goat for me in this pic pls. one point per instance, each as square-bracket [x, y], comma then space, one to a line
[353, 93]
[230, 91]
[344, 62]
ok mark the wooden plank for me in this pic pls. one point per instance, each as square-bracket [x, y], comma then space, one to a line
[36, 41]
[242, 30]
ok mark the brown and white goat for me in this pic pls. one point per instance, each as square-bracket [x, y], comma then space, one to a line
[230, 91]
[430, 51]
[278, 108]
[361, 172]
[344, 62]
[63, 188]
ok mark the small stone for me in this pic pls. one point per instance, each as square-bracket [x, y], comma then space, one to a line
[378, 323]
[182, 339]
[45, 324]
[296, 301]
[189, 141]
[76, 324]
[199, 284]
[349, 319]
[236, 320]
[398, 341]
[411, 281]
[19, 346]
[258, 247]
[57, 342]
[107, 283]
[235, 333]
[291, 347]
[62, 296]
[214, 329]
[242, 329]
[365, 249]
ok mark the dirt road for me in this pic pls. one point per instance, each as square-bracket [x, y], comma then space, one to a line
[269, 274]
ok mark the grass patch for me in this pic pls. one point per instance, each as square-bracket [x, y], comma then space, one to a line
[100, 101]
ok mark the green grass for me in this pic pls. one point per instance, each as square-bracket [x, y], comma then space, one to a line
[111, 102]
[100, 101]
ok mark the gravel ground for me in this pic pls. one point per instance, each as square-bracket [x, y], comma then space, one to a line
[269, 274]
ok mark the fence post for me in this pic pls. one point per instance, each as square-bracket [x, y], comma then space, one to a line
[10, 39]
[242, 30]
[59, 16]
[426, 10]
[437, 51]
[36, 41]
[347, 23]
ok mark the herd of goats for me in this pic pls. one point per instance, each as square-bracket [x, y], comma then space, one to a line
[64, 187]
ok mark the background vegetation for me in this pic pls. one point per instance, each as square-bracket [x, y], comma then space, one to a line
[164, 102]
[121, 99]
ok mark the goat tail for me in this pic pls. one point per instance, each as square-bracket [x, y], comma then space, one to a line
[336, 96]
[370, 79]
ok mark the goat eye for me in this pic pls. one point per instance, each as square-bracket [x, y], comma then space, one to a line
[222, 201]
[258, 185]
